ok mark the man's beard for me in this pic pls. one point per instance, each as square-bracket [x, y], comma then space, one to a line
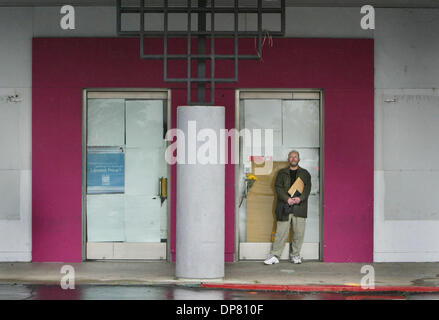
[294, 164]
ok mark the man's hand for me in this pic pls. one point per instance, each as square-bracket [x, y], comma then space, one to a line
[294, 200]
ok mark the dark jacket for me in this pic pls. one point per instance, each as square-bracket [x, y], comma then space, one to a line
[283, 184]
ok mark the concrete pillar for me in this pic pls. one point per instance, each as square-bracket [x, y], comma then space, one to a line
[200, 194]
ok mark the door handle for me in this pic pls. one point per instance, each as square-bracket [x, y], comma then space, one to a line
[163, 189]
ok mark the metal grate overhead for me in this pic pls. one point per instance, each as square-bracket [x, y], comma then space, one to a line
[203, 10]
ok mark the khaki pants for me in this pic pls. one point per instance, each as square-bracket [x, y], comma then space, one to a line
[283, 232]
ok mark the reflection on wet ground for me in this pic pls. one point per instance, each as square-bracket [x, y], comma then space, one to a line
[114, 292]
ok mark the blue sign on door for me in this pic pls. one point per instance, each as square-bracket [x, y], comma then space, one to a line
[105, 171]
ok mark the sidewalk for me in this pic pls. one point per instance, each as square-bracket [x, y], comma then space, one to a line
[309, 276]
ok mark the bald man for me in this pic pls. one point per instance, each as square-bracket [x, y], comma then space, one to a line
[291, 210]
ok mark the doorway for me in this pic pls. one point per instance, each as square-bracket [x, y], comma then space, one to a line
[296, 120]
[125, 175]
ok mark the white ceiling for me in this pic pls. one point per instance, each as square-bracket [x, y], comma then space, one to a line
[292, 3]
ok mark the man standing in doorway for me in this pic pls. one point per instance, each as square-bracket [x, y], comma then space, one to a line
[291, 209]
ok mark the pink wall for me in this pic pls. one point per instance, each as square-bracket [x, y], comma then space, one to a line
[62, 67]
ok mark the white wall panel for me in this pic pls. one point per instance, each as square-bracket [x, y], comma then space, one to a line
[90, 21]
[16, 47]
[411, 130]
[406, 175]
[15, 134]
[406, 60]
[10, 191]
[9, 133]
[406, 48]
[401, 240]
[301, 22]
[16, 235]
[325, 22]
[25, 129]
[15, 129]
[411, 195]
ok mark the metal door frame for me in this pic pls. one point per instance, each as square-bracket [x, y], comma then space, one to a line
[279, 93]
[122, 91]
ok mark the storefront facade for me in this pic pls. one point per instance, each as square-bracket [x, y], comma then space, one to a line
[374, 92]
[63, 68]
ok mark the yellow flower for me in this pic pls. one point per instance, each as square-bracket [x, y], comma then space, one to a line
[252, 177]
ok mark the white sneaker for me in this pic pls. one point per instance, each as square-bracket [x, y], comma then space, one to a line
[272, 259]
[296, 259]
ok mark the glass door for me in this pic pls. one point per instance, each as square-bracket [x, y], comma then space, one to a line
[295, 121]
[126, 176]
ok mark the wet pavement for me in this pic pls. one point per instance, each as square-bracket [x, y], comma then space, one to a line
[138, 292]
[162, 273]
